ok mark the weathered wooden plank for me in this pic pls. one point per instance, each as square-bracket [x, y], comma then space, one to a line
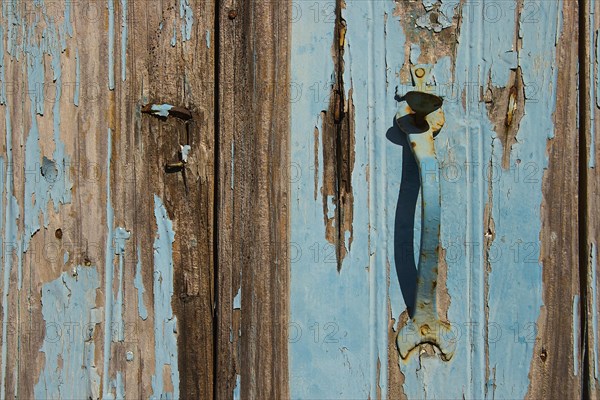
[127, 291]
[252, 203]
[589, 200]
[555, 366]
[497, 65]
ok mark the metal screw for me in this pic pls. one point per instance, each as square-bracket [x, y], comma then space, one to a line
[232, 14]
[420, 72]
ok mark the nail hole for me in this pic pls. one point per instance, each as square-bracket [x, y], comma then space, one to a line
[232, 14]
[58, 233]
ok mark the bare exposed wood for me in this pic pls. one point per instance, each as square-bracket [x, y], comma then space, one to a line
[590, 193]
[253, 163]
[552, 366]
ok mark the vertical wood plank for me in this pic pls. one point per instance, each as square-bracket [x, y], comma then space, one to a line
[253, 130]
[500, 68]
[555, 367]
[590, 193]
[127, 289]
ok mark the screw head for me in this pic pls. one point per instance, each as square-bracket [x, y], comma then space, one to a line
[232, 14]
[420, 72]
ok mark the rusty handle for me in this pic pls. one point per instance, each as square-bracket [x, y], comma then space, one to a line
[420, 118]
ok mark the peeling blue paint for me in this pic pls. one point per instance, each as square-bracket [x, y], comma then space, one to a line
[68, 309]
[165, 323]
[139, 285]
[207, 34]
[187, 16]
[108, 273]
[40, 188]
[174, 37]
[111, 44]
[123, 40]
[356, 300]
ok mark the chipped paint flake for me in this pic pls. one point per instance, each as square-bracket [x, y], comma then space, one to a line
[161, 110]
[237, 300]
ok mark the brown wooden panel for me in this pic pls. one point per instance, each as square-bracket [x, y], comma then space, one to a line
[589, 194]
[553, 364]
[253, 131]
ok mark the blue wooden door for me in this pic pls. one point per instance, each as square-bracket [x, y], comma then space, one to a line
[508, 272]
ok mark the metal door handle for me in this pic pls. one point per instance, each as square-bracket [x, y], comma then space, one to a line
[421, 118]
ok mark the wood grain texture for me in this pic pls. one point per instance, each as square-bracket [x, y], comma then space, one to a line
[553, 363]
[589, 203]
[253, 176]
[117, 157]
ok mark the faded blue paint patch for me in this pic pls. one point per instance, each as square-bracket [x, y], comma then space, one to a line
[139, 285]
[174, 37]
[65, 258]
[575, 337]
[187, 16]
[111, 44]
[124, 17]
[165, 323]
[69, 312]
[238, 387]
[207, 35]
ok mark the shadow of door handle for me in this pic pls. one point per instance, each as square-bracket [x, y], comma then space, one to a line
[421, 118]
